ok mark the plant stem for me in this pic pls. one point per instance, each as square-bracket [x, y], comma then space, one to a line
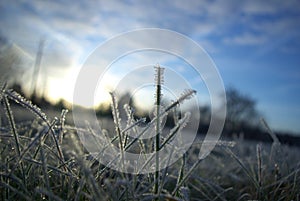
[158, 94]
[116, 118]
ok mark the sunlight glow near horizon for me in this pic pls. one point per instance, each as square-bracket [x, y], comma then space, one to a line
[61, 88]
[130, 74]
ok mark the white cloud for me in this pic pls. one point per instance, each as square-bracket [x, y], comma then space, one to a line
[110, 17]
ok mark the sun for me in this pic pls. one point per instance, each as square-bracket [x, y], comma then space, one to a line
[62, 88]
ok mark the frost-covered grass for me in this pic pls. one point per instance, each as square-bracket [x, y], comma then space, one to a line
[44, 159]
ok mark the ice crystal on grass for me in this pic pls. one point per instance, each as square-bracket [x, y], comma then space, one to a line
[19, 99]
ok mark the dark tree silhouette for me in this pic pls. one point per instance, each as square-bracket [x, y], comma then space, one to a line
[241, 109]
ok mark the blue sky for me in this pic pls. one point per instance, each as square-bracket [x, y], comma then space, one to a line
[254, 44]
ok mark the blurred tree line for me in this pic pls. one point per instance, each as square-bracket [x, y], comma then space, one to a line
[241, 109]
[242, 120]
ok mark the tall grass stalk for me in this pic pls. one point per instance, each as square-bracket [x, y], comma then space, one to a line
[117, 121]
[158, 97]
[244, 168]
[44, 166]
[73, 175]
[186, 176]
[2, 90]
[31, 145]
[15, 134]
[186, 95]
[165, 172]
[16, 191]
[19, 99]
[259, 171]
[12, 125]
[62, 121]
[179, 125]
[270, 132]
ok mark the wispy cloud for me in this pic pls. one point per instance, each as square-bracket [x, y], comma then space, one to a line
[85, 22]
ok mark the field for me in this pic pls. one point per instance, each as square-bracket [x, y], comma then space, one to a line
[43, 159]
